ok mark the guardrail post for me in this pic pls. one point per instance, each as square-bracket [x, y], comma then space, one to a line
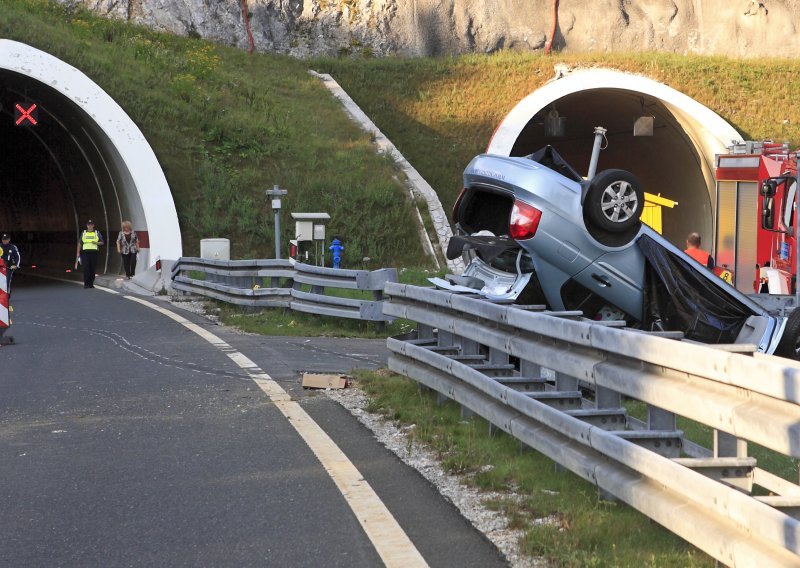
[445, 339]
[604, 397]
[498, 356]
[425, 331]
[530, 369]
[466, 346]
[566, 383]
[660, 419]
[729, 446]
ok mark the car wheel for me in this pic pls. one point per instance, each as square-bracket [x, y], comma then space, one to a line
[789, 345]
[615, 201]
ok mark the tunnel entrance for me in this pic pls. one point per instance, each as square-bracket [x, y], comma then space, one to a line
[676, 162]
[69, 154]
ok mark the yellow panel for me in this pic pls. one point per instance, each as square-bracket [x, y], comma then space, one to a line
[651, 216]
[658, 200]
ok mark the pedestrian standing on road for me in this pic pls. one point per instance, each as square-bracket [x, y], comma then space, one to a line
[11, 257]
[128, 248]
[90, 242]
[693, 249]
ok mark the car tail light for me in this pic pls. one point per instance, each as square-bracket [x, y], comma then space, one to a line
[458, 204]
[524, 221]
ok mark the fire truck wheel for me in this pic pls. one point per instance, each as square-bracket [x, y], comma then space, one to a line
[789, 345]
[615, 201]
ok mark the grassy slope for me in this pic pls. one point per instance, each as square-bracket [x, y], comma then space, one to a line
[441, 112]
[226, 126]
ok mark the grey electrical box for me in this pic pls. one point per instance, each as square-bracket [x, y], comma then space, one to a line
[305, 227]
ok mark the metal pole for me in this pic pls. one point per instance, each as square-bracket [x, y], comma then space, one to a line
[277, 233]
[275, 194]
[599, 133]
[796, 230]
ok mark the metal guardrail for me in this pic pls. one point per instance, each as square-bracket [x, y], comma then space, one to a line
[284, 283]
[524, 371]
[259, 283]
[321, 279]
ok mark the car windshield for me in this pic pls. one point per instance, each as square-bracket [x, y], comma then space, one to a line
[550, 158]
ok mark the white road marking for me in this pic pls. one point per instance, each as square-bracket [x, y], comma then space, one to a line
[46, 277]
[386, 535]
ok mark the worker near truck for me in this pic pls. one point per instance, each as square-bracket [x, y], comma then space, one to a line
[693, 249]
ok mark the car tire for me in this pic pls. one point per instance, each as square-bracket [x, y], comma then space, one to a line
[615, 201]
[789, 345]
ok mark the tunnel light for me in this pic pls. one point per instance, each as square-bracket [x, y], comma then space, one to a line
[554, 125]
[643, 126]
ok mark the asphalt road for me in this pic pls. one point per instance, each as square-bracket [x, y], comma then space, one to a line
[127, 440]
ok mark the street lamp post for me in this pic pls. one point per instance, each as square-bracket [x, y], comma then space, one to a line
[275, 194]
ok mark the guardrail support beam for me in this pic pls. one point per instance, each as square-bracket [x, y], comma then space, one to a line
[729, 446]
[660, 419]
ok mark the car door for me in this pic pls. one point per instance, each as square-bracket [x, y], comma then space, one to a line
[618, 278]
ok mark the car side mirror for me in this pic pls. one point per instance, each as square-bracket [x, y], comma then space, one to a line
[768, 213]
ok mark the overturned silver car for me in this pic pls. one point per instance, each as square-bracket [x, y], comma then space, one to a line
[534, 231]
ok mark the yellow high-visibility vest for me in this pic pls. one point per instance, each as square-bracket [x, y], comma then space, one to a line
[90, 240]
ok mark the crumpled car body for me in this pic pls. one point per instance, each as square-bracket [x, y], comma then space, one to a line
[527, 230]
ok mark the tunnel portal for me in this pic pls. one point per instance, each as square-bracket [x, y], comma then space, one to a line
[676, 162]
[69, 154]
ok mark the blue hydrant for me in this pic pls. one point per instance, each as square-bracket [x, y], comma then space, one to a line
[336, 248]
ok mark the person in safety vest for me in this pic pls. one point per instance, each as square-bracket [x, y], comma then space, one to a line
[11, 256]
[693, 249]
[90, 242]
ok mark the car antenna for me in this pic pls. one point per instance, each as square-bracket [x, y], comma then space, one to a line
[599, 136]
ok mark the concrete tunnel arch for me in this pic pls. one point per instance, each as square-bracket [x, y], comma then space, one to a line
[84, 159]
[677, 162]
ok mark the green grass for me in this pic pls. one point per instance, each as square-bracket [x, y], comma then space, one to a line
[583, 530]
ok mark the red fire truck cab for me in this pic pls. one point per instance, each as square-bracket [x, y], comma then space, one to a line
[754, 226]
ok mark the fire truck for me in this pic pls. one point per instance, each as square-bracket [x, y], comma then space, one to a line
[755, 224]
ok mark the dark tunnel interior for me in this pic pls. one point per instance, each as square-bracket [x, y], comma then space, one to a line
[667, 163]
[54, 175]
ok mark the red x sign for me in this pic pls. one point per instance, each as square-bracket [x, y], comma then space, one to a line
[29, 114]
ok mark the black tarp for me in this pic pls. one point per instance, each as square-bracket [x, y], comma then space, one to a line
[549, 158]
[678, 298]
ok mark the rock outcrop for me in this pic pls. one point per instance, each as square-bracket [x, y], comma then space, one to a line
[738, 28]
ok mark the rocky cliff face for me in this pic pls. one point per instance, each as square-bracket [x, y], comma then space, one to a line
[739, 28]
